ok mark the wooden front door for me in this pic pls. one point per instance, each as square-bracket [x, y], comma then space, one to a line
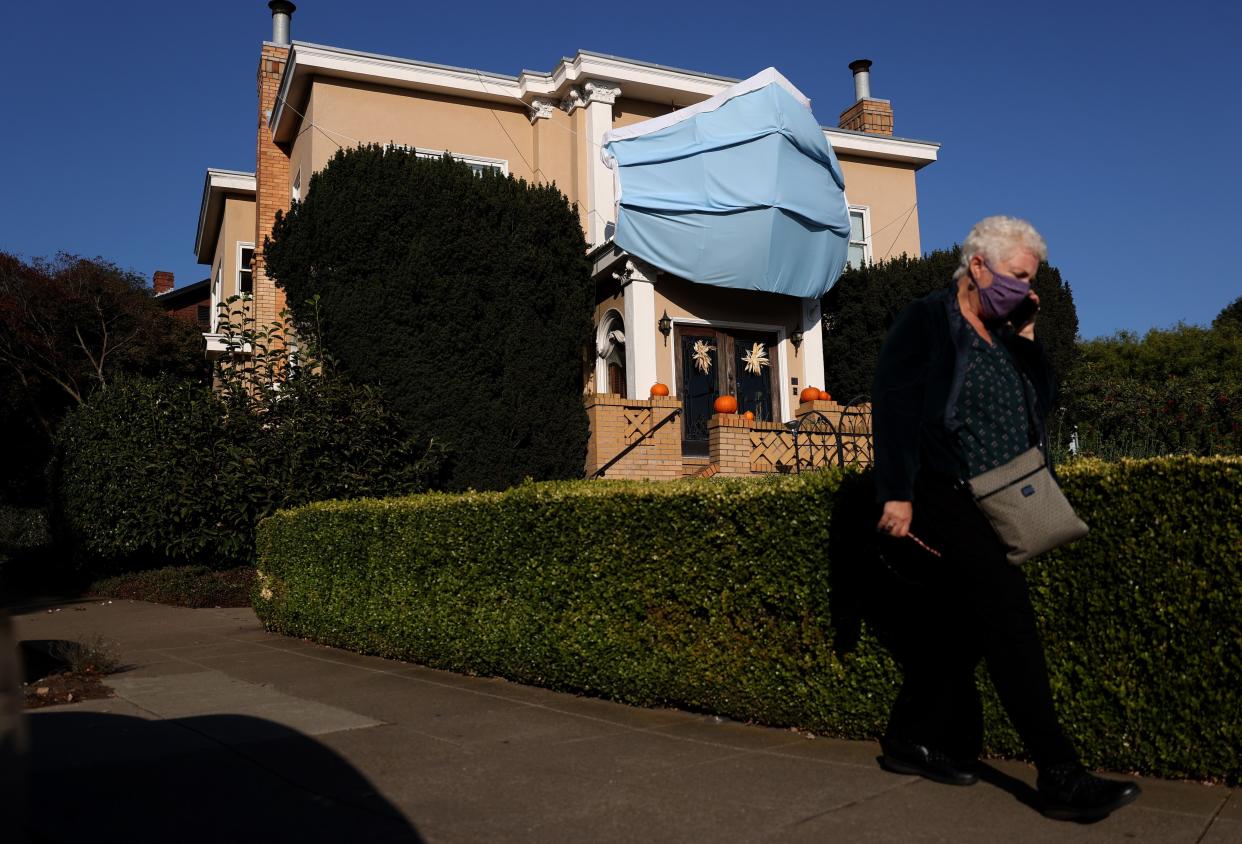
[711, 362]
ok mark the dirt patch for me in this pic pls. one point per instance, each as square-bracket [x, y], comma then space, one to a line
[67, 687]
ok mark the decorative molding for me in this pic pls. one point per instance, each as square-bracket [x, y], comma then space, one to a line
[636, 269]
[541, 107]
[573, 100]
[600, 91]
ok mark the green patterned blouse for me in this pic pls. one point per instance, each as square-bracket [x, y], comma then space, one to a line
[992, 407]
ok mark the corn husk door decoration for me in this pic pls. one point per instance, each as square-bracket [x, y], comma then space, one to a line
[756, 359]
[703, 356]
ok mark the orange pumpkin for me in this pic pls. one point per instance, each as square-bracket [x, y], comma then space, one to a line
[659, 389]
[749, 415]
[726, 404]
[824, 395]
[810, 394]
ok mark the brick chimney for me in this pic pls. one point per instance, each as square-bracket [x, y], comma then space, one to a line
[867, 114]
[162, 281]
[271, 163]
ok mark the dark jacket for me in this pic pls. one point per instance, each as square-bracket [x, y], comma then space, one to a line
[917, 381]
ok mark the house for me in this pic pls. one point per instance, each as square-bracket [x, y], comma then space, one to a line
[551, 125]
[190, 302]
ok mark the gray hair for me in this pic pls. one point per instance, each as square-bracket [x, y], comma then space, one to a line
[997, 238]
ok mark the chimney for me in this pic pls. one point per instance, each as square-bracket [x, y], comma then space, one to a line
[282, 13]
[867, 114]
[162, 281]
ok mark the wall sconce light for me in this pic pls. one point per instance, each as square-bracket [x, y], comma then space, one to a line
[665, 325]
[796, 338]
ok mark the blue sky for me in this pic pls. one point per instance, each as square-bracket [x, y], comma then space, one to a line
[1116, 132]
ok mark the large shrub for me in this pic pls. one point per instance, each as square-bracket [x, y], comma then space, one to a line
[152, 472]
[466, 297]
[1176, 391]
[862, 305]
[742, 598]
[68, 326]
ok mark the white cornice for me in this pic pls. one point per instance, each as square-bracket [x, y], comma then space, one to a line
[905, 150]
[638, 79]
[569, 79]
[217, 185]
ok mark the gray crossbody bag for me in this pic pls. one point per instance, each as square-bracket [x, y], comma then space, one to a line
[1027, 509]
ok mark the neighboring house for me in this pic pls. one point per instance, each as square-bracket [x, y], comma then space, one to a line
[190, 303]
[545, 127]
[225, 241]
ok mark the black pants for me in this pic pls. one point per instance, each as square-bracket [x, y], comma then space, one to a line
[941, 615]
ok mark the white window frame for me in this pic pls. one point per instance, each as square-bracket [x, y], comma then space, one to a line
[500, 164]
[865, 243]
[238, 267]
[216, 282]
[610, 320]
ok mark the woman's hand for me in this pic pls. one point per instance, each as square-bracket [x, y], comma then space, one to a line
[1028, 330]
[895, 520]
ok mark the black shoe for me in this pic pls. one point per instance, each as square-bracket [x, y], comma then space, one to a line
[904, 758]
[1071, 793]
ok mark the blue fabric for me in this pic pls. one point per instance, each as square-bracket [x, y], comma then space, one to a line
[748, 196]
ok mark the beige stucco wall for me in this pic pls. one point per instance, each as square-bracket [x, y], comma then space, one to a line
[887, 188]
[627, 111]
[373, 114]
[236, 226]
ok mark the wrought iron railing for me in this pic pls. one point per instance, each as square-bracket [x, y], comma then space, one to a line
[819, 441]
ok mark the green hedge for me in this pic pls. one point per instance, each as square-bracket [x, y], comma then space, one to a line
[720, 596]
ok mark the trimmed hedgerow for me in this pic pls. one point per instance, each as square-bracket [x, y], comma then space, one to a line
[742, 598]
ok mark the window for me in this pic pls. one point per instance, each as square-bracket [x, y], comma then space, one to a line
[610, 346]
[478, 163]
[860, 237]
[204, 316]
[245, 274]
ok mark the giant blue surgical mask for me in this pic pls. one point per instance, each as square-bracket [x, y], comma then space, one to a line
[1005, 294]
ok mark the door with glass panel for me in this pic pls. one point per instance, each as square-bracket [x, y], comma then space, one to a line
[711, 362]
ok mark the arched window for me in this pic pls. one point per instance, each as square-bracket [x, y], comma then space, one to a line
[610, 344]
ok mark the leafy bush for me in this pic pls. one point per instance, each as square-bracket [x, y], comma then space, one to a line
[153, 472]
[862, 305]
[1169, 392]
[183, 586]
[68, 326]
[468, 298]
[716, 595]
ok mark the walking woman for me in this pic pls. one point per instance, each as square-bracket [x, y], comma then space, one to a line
[962, 386]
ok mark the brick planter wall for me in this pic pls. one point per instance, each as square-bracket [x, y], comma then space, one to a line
[617, 423]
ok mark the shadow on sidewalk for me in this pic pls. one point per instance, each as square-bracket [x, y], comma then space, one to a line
[209, 778]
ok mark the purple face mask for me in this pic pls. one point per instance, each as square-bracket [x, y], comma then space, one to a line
[1005, 294]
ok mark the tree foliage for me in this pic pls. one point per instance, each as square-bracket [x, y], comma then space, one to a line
[862, 305]
[158, 471]
[68, 327]
[1168, 392]
[467, 297]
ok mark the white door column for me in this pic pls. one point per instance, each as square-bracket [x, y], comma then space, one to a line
[638, 279]
[812, 351]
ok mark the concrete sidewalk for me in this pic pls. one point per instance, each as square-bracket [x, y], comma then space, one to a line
[223, 732]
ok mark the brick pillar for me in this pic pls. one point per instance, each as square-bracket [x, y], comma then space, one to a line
[617, 422]
[162, 281]
[728, 443]
[271, 177]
